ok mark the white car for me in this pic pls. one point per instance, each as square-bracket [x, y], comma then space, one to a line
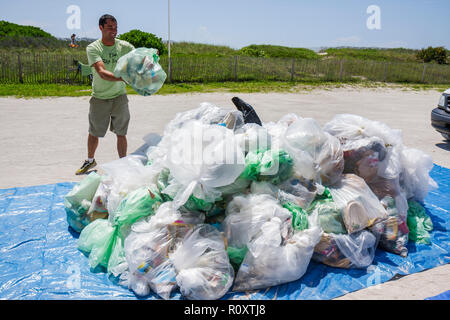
[440, 116]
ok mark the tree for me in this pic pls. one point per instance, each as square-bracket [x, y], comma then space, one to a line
[438, 54]
[144, 39]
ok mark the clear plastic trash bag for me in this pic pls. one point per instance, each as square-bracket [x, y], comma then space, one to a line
[415, 178]
[147, 247]
[253, 137]
[202, 265]
[393, 232]
[277, 129]
[199, 200]
[206, 113]
[360, 207]
[356, 250]
[277, 254]
[127, 174]
[98, 208]
[349, 128]
[317, 154]
[202, 157]
[140, 69]
[245, 216]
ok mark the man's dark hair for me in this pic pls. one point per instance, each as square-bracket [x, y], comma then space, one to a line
[105, 17]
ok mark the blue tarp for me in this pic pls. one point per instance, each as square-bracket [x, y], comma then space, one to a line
[39, 258]
[443, 296]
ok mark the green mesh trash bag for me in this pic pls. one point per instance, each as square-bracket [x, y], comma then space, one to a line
[419, 223]
[330, 216]
[140, 69]
[103, 239]
[236, 256]
[274, 166]
[192, 204]
[163, 182]
[139, 203]
[78, 201]
[240, 185]
[299, 216]
[196, 204]
[96, 240]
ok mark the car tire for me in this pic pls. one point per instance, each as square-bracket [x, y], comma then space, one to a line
[446, 136]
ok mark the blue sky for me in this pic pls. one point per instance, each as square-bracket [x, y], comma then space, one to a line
[237, 23]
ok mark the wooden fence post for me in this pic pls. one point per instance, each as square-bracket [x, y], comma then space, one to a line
[235, 68]
[292, 69]
[385, 71]
[20, 68]
[423, 72]
[341, 69]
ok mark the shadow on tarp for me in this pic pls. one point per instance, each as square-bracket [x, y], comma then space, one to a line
[39, 258]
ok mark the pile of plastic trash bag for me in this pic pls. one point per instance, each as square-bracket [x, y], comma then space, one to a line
[216, 204]
[140, 69]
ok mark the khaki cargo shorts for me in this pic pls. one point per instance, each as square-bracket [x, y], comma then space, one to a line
[109, 112]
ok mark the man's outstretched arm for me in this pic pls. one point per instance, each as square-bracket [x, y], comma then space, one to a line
[103, 73]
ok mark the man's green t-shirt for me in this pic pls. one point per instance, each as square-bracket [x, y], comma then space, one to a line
[97, 51]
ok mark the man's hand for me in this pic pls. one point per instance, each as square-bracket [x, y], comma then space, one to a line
[103, 73]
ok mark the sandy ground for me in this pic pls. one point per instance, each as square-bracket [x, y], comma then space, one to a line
[43, 141]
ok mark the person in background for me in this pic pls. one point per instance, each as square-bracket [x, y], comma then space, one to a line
[72, 41]
[109, 101]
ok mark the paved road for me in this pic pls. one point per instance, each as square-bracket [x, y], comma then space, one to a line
[43, 141]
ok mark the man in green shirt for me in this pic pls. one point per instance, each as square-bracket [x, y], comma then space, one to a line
[109, 102]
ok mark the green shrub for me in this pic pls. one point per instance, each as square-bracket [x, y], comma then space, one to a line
[144, 39]
[430, 54]
[376, 54]
[8, 29]
[279, 52]
[184, 48]
[252, 52]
